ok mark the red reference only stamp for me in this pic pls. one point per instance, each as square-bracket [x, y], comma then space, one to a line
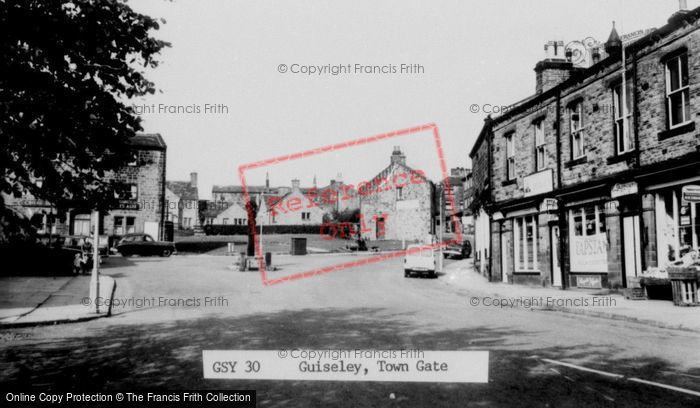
[410, 217]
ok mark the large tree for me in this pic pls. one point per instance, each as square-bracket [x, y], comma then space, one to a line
[67, 72]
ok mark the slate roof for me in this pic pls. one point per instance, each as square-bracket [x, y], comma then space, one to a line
[148, 141]
[183, 189]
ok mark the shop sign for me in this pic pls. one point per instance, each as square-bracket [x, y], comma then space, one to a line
[549, 204]
[624, 189]
[589, 282]
[684, 215]
[691, 194]
[128, 205]
[589, 253]
[538, 183]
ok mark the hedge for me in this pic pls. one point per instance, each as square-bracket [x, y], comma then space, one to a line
[267, 229]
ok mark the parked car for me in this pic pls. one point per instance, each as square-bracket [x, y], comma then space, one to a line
[35, 259]
[84, 242]
[458, 251]
[419, 260]
[144, 244]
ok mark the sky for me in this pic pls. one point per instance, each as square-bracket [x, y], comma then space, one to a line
[237, 77]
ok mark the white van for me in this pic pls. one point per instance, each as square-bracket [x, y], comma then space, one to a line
[419, 260]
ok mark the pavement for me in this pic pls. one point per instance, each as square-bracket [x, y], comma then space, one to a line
[598, 303]
[167, 311]
[27, 301]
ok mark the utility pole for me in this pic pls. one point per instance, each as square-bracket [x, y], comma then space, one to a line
[442, 220]
[95, 278]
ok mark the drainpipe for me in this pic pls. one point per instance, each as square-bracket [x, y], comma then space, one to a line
[489, 144]
[162, 196]
[561, 212]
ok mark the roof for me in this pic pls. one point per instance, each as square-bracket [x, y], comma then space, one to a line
[210, 209]
[183, 189]
[676, 22]
[236, 189]
[148, 141]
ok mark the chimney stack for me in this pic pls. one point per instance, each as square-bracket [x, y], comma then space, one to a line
[397, 156]
[554, 69]
[193, 180]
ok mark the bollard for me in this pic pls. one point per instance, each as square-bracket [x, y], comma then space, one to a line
[242, 265]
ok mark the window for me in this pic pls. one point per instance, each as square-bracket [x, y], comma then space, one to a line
[118, 225]
[588, 221]
[134, 160]
[677, 91]
[525, 231]
[576, 125]
[510, 157]
[539, 146]
[187, 222]
[399, 193]
[623, 118]
[305, 216]
[128, 192]
[677, 224]
[225, 221]
[130, 225]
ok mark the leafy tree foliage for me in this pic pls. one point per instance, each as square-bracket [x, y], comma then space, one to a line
[66, 72]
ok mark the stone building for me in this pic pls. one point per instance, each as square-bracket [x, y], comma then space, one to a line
[141, 209]
[182, 200]
[299, 206]
[591, 181]
[398, 203]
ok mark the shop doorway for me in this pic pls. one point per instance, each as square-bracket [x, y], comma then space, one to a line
[631, 246]
[380, 227]
[556, 268]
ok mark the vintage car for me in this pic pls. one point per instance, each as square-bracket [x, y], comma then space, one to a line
[419, 260]
[36, 259]
[144, 245]
[458, 251]
[84, 243]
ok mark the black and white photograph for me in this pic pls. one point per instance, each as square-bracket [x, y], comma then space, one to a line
[388, 203]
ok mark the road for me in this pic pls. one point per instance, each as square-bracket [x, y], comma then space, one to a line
[370, 307]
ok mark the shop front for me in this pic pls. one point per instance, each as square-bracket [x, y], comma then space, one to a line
[674, 222]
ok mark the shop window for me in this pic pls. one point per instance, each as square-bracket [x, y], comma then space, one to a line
[623, 118]
[525, 232]
[130, 225]
[118, 225]
[677, 91]
[588, 220]
[588, 242]
[678, 226]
